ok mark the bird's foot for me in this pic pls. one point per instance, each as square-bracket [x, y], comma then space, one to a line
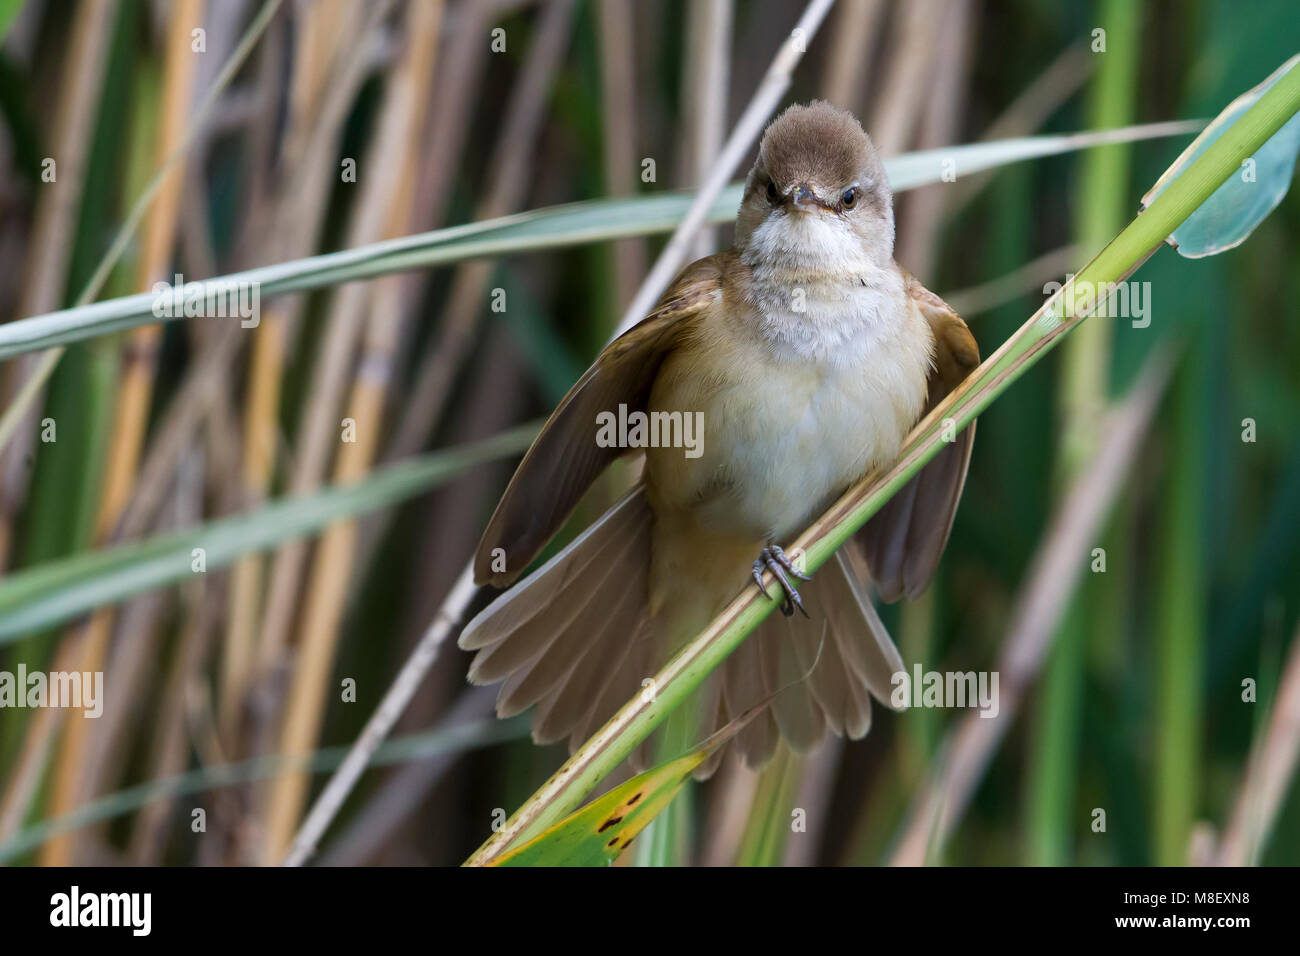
[773, 559]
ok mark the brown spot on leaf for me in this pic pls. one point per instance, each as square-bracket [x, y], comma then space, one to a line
[612, 821]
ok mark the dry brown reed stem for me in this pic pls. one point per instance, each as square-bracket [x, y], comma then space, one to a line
[1269, 771]
[386, 714]
[135, 655]
[330, 63]
[747, 129]
[380, 176]
[135, 390]
[969, 745]
[257, 465]
[706, 80]
[389, 807]
[619, 124]
[461, 70]
[728, 814]
[458, 80]
[169, 754]
[508, 179]
[329, 68]
[45, 274]
[383, 211]
[335, 56]
[909, 65]
[940, 126]
[854, 43]
[29, 766]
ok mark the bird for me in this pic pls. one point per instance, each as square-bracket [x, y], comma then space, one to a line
[806, 354]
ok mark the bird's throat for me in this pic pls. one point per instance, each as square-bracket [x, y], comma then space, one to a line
[834, 315]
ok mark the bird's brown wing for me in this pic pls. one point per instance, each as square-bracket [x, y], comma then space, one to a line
[905, 539]
[564, 459]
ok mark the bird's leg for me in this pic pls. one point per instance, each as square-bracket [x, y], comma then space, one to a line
[773, 559]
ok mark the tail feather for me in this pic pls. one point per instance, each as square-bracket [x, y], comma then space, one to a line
[519, 609]
[576, 610]
[863, 639]
[828, 681]
[583, 634]
[799, 715]
[573, 700]
[810, 676]
[628, 667]
[577, 639]
[526, 641]
[831, 684]
[713, 710]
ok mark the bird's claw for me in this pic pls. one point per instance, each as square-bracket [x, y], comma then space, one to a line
[773, 559]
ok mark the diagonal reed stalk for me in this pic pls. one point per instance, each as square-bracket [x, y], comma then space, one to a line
[564, 791]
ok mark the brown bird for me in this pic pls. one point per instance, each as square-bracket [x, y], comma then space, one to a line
[806, 354]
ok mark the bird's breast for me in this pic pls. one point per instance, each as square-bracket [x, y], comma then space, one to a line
[785, 431]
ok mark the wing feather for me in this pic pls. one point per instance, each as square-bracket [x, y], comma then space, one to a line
[565, 459]
[905, 539]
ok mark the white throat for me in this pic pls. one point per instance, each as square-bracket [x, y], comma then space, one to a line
[818, 292]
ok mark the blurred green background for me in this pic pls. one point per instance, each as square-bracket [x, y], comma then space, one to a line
[1139, 709]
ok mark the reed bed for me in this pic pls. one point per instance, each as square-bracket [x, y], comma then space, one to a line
[258, 530]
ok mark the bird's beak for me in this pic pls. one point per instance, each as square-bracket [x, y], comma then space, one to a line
[802, 197]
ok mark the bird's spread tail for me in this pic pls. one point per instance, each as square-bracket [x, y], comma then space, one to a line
[809, 676]
[574, 638]
[577, 639]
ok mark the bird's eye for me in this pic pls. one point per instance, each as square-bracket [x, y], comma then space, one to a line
[849, 199]
[772, 194]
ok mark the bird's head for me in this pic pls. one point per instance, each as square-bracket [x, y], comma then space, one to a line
[817, 197]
